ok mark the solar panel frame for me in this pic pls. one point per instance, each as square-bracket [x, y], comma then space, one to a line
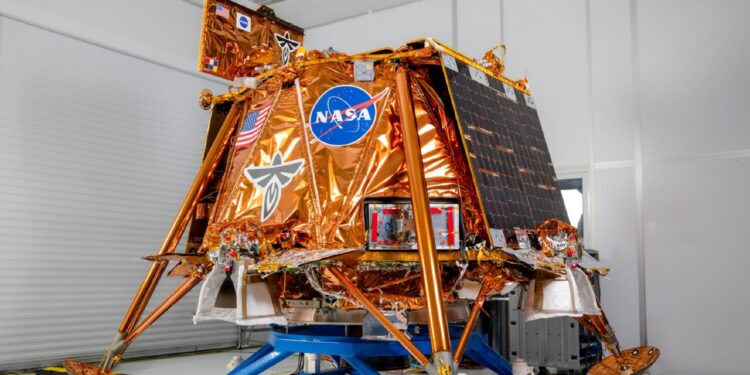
[506, 149]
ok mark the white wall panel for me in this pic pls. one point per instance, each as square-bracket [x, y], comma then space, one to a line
[349, 36]
[165, 31]
[386, 28]
[428, 18]
[548, 40]
[616, 229]
[695, 215]
[479, 25]
[613, 99]
[97, 150]
[694, 57]
[615, 118]
[693, 63]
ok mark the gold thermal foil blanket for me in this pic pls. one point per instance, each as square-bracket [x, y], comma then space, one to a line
[332, 141]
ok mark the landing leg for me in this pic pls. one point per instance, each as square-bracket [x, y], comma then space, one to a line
[628, 362]
[441, 361]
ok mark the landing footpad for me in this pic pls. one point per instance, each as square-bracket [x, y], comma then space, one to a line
[633, 362]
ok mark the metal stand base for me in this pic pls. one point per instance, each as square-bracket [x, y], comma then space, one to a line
[331, 340]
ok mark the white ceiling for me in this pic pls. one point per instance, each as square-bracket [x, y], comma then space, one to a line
[308, 13]
[311, 13]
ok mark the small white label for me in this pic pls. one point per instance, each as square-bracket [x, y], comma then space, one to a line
[478, 76]
[530, 101]
[364, 71]
[510, 92]
[449, 62]
[523, 238]
[498, 237]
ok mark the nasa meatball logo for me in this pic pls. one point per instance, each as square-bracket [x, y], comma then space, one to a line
[344, 114]
[243, 22]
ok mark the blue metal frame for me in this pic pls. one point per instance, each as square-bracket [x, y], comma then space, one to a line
[331, 340]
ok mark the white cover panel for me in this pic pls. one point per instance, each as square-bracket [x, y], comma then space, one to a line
[206, 309]
[572, 296]
[97, 150]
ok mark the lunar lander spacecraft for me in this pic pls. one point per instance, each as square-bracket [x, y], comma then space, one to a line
[388, 189]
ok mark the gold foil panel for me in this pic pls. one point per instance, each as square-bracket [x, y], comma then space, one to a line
[389, 288]
[235, 40]
[322, 204]
[240, 201]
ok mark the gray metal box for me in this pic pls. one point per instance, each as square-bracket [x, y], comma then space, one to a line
[557, 343]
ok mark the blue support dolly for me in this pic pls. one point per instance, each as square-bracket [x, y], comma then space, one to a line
[331, 340]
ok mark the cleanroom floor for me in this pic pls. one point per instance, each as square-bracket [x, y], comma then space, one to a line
[215, 363]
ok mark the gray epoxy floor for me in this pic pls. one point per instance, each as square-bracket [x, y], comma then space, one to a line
[216, 364]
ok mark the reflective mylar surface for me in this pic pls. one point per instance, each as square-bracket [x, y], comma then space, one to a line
[322, 204]
[235, 40]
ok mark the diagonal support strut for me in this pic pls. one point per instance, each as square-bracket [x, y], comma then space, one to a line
[372, 309]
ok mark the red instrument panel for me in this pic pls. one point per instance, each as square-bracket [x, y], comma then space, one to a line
[390, 225]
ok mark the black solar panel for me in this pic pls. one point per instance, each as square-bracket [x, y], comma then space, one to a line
[506, 148]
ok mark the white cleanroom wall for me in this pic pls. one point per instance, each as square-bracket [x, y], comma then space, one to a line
[97, 149]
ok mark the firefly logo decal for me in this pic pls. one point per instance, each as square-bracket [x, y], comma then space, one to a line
[287, 44]
[344, 114]
[269, 180]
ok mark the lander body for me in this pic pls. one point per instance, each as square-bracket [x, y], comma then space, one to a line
[385, 189]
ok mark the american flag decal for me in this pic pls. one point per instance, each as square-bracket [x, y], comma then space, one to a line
[222, 11]
[251, 127]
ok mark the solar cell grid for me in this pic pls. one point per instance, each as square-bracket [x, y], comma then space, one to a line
[507, 151]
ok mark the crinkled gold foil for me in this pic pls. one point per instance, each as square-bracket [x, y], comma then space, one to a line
[291, 285]
[237, 52]
[322, 205]
[404, 291]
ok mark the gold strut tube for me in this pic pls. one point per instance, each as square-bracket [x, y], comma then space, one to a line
[143, 295]
[173, 298]
[357, 294]
[437, 320]
[605, 332]
[178, 225]
[628, 362]
[584, 321]
[472, 320]
[393, 282]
